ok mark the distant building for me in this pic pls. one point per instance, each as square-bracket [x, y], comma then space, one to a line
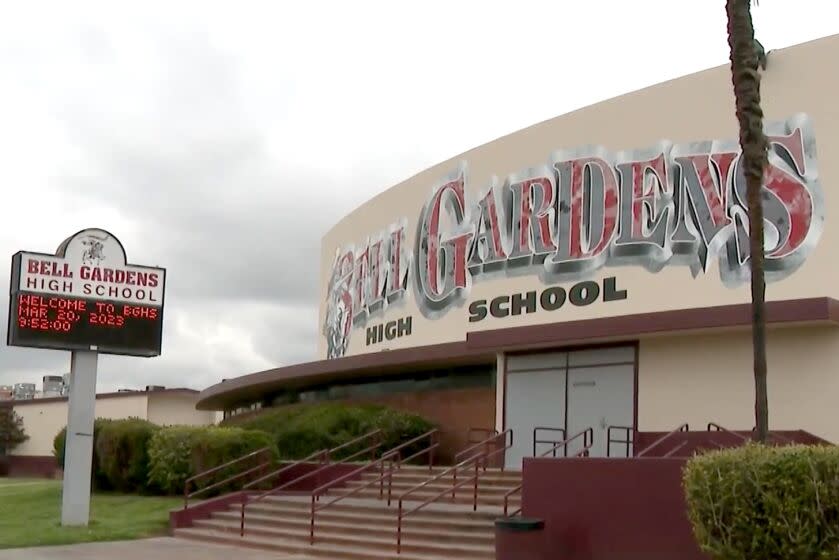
[53, 386]
[7, 392]
[24, 391]
[45, 417]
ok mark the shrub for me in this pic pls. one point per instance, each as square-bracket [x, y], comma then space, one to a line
[765, 502]
[99, 480]
[12, 433]
[301, 430]
[122, 454]
[179, 452]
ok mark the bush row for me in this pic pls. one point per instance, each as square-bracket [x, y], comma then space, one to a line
[765, 502]
[180, 452]
[300, 430]
[135, 455]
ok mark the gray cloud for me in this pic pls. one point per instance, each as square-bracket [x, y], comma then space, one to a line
[223, 146]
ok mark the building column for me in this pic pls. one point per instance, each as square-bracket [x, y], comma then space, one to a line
[500, 384]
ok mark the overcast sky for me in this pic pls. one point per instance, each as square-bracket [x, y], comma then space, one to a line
[222, 139]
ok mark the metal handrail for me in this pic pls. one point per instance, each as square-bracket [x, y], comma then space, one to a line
[393, 457]
[370, 448]
[324, 462]
[188, 494]
[588, 441]
[317, 492]
[714, 427]
[609, 440]
[486, 454]
[547, 429]
[486, 431]
[472, 461]
[683, 428]
[485, 443]
[433, 444]
[321, 455]
[507, 499]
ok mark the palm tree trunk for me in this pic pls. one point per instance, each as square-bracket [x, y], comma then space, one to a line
[746, 81]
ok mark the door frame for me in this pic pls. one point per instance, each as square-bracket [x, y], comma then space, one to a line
[635, 344]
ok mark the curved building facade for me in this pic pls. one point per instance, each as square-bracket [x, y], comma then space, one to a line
[592, 271]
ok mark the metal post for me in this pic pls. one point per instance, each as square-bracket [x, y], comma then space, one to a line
[312, 523]
[475, 499]
[78, 446]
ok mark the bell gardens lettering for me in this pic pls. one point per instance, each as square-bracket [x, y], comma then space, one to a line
[586, 208]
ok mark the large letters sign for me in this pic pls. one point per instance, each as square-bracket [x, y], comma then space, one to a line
[585, 209]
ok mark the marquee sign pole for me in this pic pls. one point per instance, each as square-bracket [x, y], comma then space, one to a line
[78, 458]
[88, 299]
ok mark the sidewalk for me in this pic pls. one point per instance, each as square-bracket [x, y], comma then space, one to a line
[165, 548]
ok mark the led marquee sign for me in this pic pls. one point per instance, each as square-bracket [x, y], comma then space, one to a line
[86, 297]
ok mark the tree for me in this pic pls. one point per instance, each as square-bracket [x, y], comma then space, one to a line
[11, 430]
[745, 78]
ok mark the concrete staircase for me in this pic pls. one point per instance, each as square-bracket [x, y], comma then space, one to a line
[363, 527]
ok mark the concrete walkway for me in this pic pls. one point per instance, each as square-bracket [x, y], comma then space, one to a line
[164, 548]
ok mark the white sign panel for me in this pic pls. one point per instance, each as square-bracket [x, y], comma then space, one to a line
[92, 265]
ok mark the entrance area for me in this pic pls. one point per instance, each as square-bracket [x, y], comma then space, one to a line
[555, 395]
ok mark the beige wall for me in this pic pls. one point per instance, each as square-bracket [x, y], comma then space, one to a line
[708, 378]
[42, 421]
[694, 108]
[166, 409]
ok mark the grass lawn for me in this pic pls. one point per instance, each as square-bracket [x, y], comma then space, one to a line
[30, 515]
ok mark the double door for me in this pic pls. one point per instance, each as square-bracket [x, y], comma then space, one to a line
[571, 391]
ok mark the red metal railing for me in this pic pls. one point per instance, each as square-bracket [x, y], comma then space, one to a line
[546, 429]
[485, 432]
[433, 444]
[474, 461]
[507, 496]
[482, 447]
[265, 451]
[627, 441]
[588, 441]
[324, 463]
[319, 491]
[478, 457]
[683, 428]
[394, 460]
[485, 453]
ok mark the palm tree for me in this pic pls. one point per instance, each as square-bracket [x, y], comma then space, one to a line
[745, 78]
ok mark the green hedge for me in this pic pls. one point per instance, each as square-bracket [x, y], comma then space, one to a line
[99, 479]
[757, 502]
[300, 430]
[122, 454]
[179, 452]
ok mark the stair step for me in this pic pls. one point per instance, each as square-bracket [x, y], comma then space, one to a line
[398, 487]
[415, 522]
[418, 478]
[506, 473]
[464, 496]
[357, 550]
[340, 533]
[437, 510]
